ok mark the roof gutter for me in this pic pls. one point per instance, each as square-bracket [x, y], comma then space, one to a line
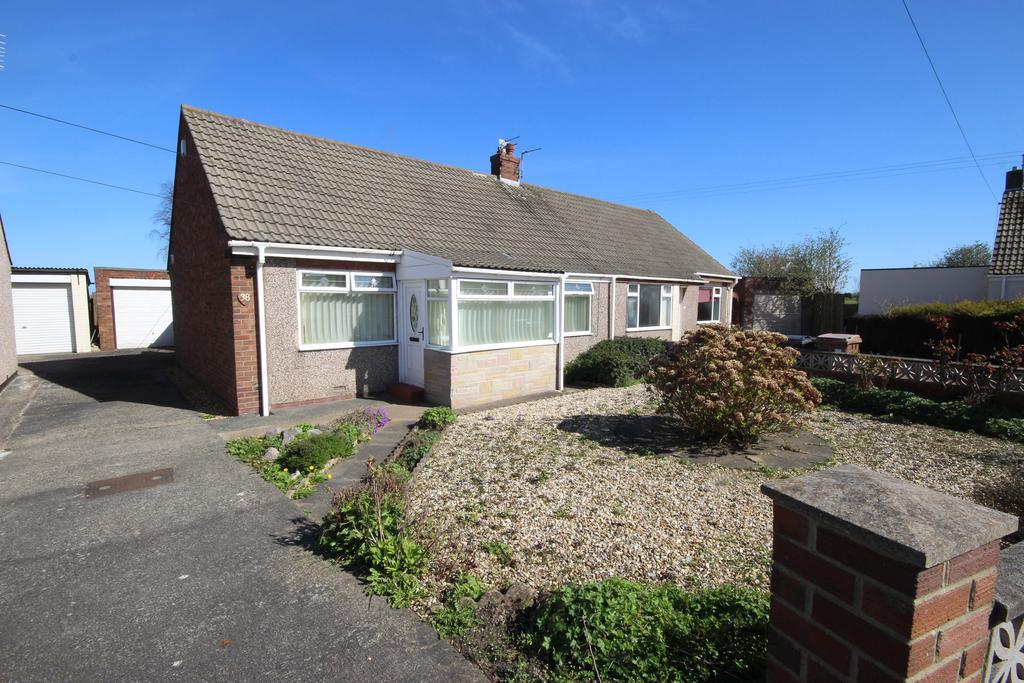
[286, 250]
[514, 273]
[734, 278]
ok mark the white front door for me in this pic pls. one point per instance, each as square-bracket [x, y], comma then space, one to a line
[413, 317]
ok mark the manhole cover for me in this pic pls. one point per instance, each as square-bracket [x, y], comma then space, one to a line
[129, 482]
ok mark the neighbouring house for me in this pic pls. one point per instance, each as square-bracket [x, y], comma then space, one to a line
[305, 269]
[132, 308]
[8, 356]
[51, 310]
[884, 288]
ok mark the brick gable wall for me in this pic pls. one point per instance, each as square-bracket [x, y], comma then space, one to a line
[103, 301]
[213, 294]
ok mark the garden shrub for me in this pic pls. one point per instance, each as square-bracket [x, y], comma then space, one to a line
[729, 383]
[351, 432]
[315, 451]
[438, 417]
[624, 631]
[905, 405]
[367, 422]
[366, 530]
[615, 362]
[454, 618]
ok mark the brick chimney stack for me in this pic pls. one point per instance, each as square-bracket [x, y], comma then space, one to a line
[1014, 179]
[505, 163]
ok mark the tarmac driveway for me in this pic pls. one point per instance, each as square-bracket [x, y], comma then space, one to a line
[199, 578]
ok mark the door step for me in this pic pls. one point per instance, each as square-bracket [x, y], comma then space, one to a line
[406, 392]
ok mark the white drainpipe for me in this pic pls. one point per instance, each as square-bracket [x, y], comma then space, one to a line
[261, 258]
[611, 309]
[560, 322]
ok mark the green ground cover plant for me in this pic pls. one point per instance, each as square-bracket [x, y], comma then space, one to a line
[965, 416]
[617, 630]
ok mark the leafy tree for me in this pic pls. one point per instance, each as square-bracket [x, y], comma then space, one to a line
[974, 254]
[817, 263]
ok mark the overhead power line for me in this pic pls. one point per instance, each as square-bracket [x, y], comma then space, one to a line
[88, 128]
[80, 179]
[949, 102]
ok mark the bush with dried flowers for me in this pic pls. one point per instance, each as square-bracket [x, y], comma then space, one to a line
[734, 384]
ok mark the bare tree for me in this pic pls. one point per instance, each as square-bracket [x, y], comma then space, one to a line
[162, 218]
[817, 263]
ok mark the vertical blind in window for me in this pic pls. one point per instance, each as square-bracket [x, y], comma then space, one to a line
[577, 313]
[335, 318]
[505, 322]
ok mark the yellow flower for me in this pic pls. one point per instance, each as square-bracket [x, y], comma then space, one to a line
[284, 469]
[329, 476]
[311, 468]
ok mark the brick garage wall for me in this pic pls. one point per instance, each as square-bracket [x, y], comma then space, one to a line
[103, 301]
[312, 376]
[482, 377]
[213, 294]
[574, 346]
[8, 357]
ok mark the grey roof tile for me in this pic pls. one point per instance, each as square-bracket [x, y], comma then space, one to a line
[276, 185]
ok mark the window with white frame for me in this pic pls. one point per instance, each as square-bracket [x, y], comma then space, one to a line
[577, 307]
[343, 308]
[492, 312]
[709, 305]
[438, 333]
[648, 306]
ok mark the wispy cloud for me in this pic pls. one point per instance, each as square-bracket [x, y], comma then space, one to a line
[537, 52]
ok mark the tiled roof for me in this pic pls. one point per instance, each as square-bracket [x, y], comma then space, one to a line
[1008, 253]
[274, 185]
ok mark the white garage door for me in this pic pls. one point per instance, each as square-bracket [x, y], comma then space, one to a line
[42, 318]
[142, 317]
[777, 312]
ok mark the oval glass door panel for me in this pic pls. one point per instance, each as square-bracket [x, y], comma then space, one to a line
[414, 313]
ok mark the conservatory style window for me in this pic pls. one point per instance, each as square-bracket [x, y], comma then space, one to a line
[494, 312]
[577, 307]
[648, 307]
[709, 305]
[339, 308]
[437, 314]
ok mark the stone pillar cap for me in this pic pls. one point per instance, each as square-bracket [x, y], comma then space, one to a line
[910, 523]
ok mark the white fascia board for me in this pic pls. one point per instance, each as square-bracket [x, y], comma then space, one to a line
[41, 279]
[734, 278]
[312, 251]
[484, 273]
[139, 282]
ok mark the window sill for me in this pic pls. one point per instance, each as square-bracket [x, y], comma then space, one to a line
[344, 345]
[498, 347]
[578, 334]
[649, 329]
[709, 322]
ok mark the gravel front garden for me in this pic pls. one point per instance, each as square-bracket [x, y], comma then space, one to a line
[512, 497]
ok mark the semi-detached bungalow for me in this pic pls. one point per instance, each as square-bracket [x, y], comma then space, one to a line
[305, 269]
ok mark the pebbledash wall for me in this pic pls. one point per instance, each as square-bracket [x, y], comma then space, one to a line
[684, 311]
[297, 377]
[8, 359]
[477, 378]
[103, 300]
[577, 344]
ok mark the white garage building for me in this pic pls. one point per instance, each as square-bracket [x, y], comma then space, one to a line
[51, 310]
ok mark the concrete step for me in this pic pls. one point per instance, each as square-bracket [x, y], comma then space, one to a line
[406, 392]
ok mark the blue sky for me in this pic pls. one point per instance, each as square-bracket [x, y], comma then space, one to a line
[630, 101]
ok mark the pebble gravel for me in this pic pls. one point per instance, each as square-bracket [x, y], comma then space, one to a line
[570, 509]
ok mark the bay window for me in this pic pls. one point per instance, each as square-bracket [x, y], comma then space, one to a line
[648, 306]
[341, 308]
[493, 312]
[709, 305]
[577, 307]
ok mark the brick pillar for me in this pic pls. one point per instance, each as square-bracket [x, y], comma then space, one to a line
[877, 579]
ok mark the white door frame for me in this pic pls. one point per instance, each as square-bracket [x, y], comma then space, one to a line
[405, 344]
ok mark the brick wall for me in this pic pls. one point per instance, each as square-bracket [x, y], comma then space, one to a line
[103, 302]
[8, 357]
[214, 323]
[865, 591]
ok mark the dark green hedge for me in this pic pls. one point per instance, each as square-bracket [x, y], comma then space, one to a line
[615, 362]
[905, 331]
[904, 405]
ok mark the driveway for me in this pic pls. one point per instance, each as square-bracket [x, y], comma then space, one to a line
[201, 578]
